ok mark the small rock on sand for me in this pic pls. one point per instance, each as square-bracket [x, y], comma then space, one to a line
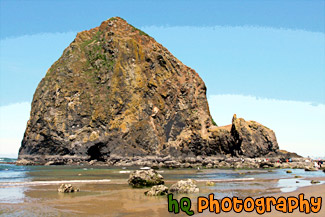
[67, 188]
[157, 190]
[184, 187]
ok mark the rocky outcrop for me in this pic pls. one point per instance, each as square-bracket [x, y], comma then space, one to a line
[157, 190]
[184, 187]
[252, 139]
[67, 188]
[145, 178]
[115, 91]
[243, 138]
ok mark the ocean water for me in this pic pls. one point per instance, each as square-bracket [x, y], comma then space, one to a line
[28, 184]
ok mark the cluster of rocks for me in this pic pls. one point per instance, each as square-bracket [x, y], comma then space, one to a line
[147, 178]
[67, 188]
[222, 162]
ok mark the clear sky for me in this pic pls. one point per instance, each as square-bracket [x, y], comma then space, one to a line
[264, 60]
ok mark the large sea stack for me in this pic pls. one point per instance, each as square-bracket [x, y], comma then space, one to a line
[115, 91]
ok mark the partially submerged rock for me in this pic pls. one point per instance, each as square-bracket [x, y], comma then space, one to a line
[314, 181]
[67, 188]
[157, 190]
[145, 178]
[184, 187]
[289, 171]
[309, 169]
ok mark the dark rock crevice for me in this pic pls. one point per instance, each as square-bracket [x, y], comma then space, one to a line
[95, 152]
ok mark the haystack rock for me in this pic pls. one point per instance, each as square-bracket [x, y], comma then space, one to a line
[115, 91]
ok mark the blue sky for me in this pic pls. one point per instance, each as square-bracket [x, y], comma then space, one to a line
[264, 60]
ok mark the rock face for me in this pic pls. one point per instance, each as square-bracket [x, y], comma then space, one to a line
[145, 178]
[184, 187]
[115, 91]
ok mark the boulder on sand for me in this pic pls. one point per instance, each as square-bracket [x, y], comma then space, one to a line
[184, 187]
[157, 190]
[67, 188]
[145, 178]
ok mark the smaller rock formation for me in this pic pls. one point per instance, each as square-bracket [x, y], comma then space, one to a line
[289, 171]
[243, 139]
[252, 139]
[314, 182]
[157, 190]
[67, 188]
[145, 178]
[184, 187]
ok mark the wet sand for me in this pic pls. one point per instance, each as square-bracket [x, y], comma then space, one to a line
[116, 198]
[120, 200]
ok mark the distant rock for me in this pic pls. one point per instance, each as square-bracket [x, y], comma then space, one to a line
[288, 171]
[157, 190]
[145, 178]
[210, 183]
[24, 162]
[184, 187]
[67, 188]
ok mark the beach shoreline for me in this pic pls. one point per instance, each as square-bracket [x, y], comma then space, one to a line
[116, 198]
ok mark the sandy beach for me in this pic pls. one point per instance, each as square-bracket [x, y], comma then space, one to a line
[115, 199]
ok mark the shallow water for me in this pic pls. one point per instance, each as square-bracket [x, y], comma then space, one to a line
[105, 188]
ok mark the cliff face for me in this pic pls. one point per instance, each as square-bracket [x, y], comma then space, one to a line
[116, 91]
